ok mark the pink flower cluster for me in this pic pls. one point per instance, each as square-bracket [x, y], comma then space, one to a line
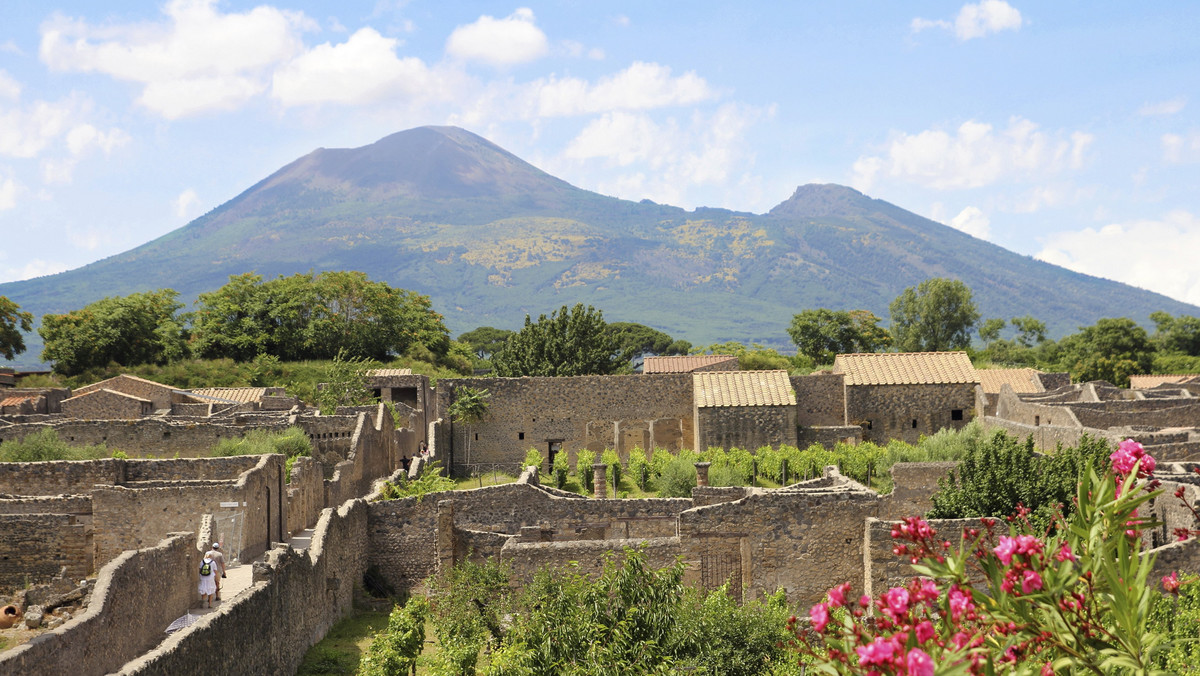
[1126, 457]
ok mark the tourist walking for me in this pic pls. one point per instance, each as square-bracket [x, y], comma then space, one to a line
[208, 581]
[218, 559]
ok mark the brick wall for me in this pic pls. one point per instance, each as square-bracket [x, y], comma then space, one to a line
[893, 409]
[820, 399]
[35, 547]
[596, 412]
[135, 597]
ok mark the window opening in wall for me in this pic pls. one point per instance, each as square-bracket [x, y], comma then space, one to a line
[166, 435]
[868, 424]
[554, 448]
[477, 436]
[1037, 420]
[377, 393]
[914, 423]
[521, 436]
[956, 414]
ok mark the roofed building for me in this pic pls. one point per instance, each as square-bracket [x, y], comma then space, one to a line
[743, 409]
[692, 363]
[906, 395]
[106, 404]
[1150, 382]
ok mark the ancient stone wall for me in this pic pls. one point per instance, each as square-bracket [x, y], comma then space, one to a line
[160, 396]
[150, 437]
[36, 547]
[881, 569]
[913, 484]
[1146, 413]
[58, 476]
[907, 412]
[294, 600]
[596, 412]
[748, 427]
[525, 559]
[820, 399]
[305, 494]
[372, 454]
[1045, 437]
[828, 436]
[1012, 408]
[136, 596]
[106, 405]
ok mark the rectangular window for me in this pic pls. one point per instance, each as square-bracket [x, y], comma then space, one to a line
[1037, 420]
[521, 436]
[956, 414]
[914, 425]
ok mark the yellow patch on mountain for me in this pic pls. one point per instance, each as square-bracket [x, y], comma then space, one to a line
[584, 274]
[734, 236]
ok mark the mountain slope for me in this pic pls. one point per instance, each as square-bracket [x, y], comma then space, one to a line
[490, 237]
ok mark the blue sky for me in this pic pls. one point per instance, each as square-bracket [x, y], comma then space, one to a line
[1066, 131]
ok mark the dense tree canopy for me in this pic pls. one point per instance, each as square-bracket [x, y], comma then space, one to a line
[13, 323]
[939, 314]
[639, 340]
[315, 317]
[822, 334]
[1180, 335]
[570, 342]
[140, 328]
[1110, 350]
[486, 341]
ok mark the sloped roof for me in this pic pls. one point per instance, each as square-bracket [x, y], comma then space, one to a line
[1148, 382]
[1022, 381]
[743, 388]
[108, 391]
[906, 368]
[241, 395]
[17, 401]
[683, 364]
[124, 376]
[385, 373]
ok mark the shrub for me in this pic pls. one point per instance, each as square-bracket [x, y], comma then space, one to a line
[610, 458]
[532, 457]
[394, 651]
[430, 481]
[584, 459]
[45, 445]
[292, 442]
[562, 468]
[639, 468]
[678, 478]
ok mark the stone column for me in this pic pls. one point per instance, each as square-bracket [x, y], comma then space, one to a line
[599, 484]
[702, 473]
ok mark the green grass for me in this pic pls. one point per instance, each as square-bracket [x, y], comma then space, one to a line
[340, 650]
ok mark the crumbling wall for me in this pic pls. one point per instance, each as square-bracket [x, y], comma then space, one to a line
[305, 494]
[59, 476]
[36, 547]
[913, 484]
[136, 596]
[149, 437]
[820, 399]
[882, 569]
[372, 455]
[294, 600]
[907, 412]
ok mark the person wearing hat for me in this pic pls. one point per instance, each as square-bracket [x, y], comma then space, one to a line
[219, 561]
[208, 581]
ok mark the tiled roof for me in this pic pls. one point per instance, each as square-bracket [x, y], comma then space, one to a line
[384, 373]
[105, 389]
[906, 368]
[743, 388]
[1022, 381]
[124, 376]
[684, 364]
[16, 401]
[1147, 382]
[241, 395]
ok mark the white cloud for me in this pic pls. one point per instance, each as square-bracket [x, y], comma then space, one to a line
[9, 88]
[25, 131]
[641, 86]
[363, 69]
[973, 156]
[973, 222]
[83, 138]
[1153, 254]
[8, 193]
[187, 201]
[88, 238]
[197, 60]
[1178, 148]
[58, 170]
[11, 47]
[631, 155]
[976, 20]
[32, 268]
[500, 42]
[1171, 107]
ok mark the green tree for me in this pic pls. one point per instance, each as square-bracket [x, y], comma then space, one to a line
[756, 357]
[989, 330]
[822, 334]
[12, 323]
[486, 341]
[1030, 331]
[234, 321]
[1180, 334]
[938, 314]
[345, 383]
[1110, 350]
[638, 340]
[140, 328]
[570, 342]
[469, 406]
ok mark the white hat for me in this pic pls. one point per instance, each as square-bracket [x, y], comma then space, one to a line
[216, 545]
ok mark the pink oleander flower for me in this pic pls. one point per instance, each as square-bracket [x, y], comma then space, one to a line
[1047, 669]
[1126, 457]
[837, 595]
[896, 600]
[1028, 545]
[1065, 553]
[919, 663]
[1170, 583]
[1030, 582]
[925, 631]
[819, 616]
[1005, 550]
[927, 590]
[879, 652]
[961, 604]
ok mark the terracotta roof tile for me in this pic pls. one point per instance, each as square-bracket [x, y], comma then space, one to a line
[15, 401]
[683, 364]
[385, 373]
[241, 395]
[1148, 382]
[743, 388]
[906, 368]
[1022, 381]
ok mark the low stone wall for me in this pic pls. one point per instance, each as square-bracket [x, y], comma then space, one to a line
[525, 559]
[38, 546]
[1045, 437]
[136, 596]
[372, 455]
[59, 476]
[882, 569]
[305, 494]
[828, 436]
[914, 483]
[294, 600]
[152, 437]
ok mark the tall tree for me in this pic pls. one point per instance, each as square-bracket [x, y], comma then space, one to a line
[938, 314]
[1030, 331]
[234, 321]
[822, 334]
[140, 328]
[486, 340]
[13, 322]
[638, 340]
[1180, 334]
[570, 342]
[989, 330]
[469, 406]
[1110, 350]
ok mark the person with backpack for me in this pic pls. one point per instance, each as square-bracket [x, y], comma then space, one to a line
[208, 580]
[218, 561]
